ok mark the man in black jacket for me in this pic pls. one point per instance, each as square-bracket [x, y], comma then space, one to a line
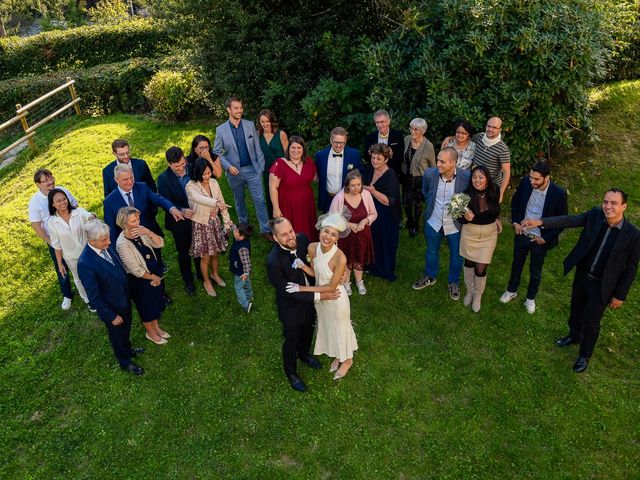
[384, 134]
[536, 197]
[295, 310]
[171, 185]
[606, 260]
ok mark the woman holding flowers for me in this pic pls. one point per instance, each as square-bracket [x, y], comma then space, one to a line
[480, 229]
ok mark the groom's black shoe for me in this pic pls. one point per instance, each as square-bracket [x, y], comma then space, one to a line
[566, 341]
[312, 362]
[297, 383]
[581, 364]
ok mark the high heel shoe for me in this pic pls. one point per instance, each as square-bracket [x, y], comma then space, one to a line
[162, 341]
[210, 291]
[334, 366]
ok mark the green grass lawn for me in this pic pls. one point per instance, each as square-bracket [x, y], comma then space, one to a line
[435, 391]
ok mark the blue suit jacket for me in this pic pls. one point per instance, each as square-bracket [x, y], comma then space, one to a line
[144, 199]
[430, 188]
[170, 188]
[351, 160]
[225, 146]
[106, 284]
[141, 173]
[555, 204]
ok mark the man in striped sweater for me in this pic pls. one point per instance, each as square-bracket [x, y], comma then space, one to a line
[491, 152]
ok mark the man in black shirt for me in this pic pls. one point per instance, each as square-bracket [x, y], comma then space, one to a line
[606, 259]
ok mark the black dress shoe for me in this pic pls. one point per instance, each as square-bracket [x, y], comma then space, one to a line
[268, 236]
[137, 351]
[133, 368]
[312, 362]
[297, 383]
[190, 288]
[565, 341]
[581, 364]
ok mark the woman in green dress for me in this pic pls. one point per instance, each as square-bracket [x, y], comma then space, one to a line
[274, 143]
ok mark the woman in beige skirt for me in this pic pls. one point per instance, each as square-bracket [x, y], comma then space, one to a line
[480, 229]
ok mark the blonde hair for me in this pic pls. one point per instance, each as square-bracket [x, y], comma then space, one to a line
[123, 216]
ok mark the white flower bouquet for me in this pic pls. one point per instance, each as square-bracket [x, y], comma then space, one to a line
[458, 205]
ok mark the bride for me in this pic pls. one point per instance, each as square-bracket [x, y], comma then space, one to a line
[335, 336]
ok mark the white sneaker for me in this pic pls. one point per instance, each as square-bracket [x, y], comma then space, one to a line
[347, 287]
[66, 303]
[362, 290]
[507, 296]
[530, 305]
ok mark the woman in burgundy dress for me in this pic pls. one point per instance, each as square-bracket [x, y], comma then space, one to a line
[290, 188]
[358, 246]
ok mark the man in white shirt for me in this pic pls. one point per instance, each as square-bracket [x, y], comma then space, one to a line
[38, 216]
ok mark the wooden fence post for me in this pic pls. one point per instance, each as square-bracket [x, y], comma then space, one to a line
[25, 126]
[72, 89]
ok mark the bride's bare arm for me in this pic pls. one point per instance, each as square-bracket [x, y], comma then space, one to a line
[338, 273]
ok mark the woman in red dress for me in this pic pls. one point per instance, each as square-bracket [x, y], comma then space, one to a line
[290, 188]
[358, 245]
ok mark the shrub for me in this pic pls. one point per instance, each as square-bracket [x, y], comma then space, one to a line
[80, 47]
[173, 95]
[115, 87]
[529, 62]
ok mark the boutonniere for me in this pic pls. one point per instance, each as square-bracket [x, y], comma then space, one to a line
[308, 258]
[350, 166]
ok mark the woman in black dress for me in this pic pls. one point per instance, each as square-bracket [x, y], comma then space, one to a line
[135, 246]
[382, 183]
[201, 148]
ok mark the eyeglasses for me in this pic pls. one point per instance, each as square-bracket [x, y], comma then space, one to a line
[338, 144]
[47, 180]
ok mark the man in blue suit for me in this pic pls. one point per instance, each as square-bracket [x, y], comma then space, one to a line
[333, 163]
[238, 145]
[140, 168]
[130, 193]
[536, 197]
[105, 280]
[438, 186]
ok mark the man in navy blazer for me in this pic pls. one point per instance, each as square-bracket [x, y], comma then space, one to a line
[130, 193]
[140, 168]
[105, 280]
[536, 197]
[438, 185]
[238, 145]
[333, 163]
[606, 261]
[171, 185]
[384, 134]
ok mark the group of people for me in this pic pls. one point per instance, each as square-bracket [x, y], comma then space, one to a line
[361, 202]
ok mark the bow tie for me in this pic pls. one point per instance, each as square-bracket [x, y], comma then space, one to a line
[383, 136]
[337, 155]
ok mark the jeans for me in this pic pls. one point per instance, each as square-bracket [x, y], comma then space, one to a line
[244, 292]
[253, 180]
[64, 282]
[432, 255]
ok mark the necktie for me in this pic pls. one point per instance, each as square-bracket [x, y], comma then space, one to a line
[337, 155]
[130, 199]
[104, 254]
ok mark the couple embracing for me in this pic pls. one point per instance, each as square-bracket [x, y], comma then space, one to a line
[293, 267]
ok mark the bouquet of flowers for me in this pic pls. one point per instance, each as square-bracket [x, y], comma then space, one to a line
[457, 207]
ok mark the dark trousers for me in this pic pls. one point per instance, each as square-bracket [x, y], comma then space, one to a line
[297, 342]
[119, 338]
[587, 309]
[522, 246]
[183, 245]
[64, 282]
[412, 200]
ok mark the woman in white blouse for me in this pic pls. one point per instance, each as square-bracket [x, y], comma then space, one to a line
[67, 234]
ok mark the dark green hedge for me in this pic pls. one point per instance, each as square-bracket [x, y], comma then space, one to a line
[114, 87]
[80, 48]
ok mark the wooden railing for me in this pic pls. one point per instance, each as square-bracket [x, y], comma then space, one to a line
[23, 112]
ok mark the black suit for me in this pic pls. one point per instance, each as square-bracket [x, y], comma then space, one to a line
[395, 142]
[170, 188]
[108, 292]
[295, 310]
[591, 295]
[555, 203]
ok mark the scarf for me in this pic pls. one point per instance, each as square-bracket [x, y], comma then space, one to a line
[490, 142]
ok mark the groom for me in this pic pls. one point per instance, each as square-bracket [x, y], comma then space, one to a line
[295, 310]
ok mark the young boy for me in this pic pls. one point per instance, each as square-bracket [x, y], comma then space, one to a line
[240, 264]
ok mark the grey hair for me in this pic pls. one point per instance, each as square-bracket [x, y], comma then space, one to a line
[96, 229]
[123, 167]
[420, 124]
[381, 113]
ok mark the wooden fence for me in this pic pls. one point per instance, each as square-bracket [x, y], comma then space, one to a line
[23, 112]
